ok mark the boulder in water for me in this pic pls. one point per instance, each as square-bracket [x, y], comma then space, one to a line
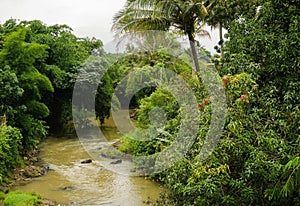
[45, 168]
[86, 161]
[119, 161]
[68, 188]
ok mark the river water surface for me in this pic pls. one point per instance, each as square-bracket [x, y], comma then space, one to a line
[86, 184]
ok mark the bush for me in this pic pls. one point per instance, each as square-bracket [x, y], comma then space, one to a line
[245, 166]
[35, 131]
[18, 198]
[10, 141]
[2, 196]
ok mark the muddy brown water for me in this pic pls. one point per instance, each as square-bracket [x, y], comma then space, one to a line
[87, 184]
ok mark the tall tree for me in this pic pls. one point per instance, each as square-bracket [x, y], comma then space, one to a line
[184, 17]
[20, 59]
[36, 53]
[66, 53]
[222, 13]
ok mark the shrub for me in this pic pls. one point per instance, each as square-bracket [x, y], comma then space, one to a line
[10, 141]
[18, 198]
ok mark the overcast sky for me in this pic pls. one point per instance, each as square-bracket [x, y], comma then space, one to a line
[88, 18]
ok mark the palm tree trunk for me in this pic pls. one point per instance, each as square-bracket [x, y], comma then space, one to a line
[194, 54]
[193, 68]
[221, 38]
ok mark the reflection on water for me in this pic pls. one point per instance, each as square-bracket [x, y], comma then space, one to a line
[86, 184]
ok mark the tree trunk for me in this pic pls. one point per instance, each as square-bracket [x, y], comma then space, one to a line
[193, 68]
[221, 38]
[194, 54]
[3, 120]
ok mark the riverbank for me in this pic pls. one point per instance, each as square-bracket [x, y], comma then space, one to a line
[55, 172]
[30, 169]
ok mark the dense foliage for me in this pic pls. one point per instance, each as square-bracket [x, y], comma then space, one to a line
[10, 157]
[38, 68]
[257, 159]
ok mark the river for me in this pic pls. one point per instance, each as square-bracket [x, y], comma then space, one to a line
[86, 184]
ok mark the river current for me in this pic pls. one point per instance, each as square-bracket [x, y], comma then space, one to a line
[68, 181]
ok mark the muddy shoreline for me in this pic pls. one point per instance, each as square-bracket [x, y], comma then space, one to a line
[32, 168]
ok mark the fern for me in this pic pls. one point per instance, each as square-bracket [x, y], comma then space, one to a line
[292, 169]
[289, 181]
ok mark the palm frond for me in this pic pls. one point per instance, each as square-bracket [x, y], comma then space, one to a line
[203, 33]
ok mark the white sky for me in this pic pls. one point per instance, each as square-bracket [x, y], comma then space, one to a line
[88, 18]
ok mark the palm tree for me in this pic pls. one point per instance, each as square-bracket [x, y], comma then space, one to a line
[183, 16]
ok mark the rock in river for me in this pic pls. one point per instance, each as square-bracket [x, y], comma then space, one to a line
[68, 188]
[86, 161]
[116, 162]
[45, 168]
